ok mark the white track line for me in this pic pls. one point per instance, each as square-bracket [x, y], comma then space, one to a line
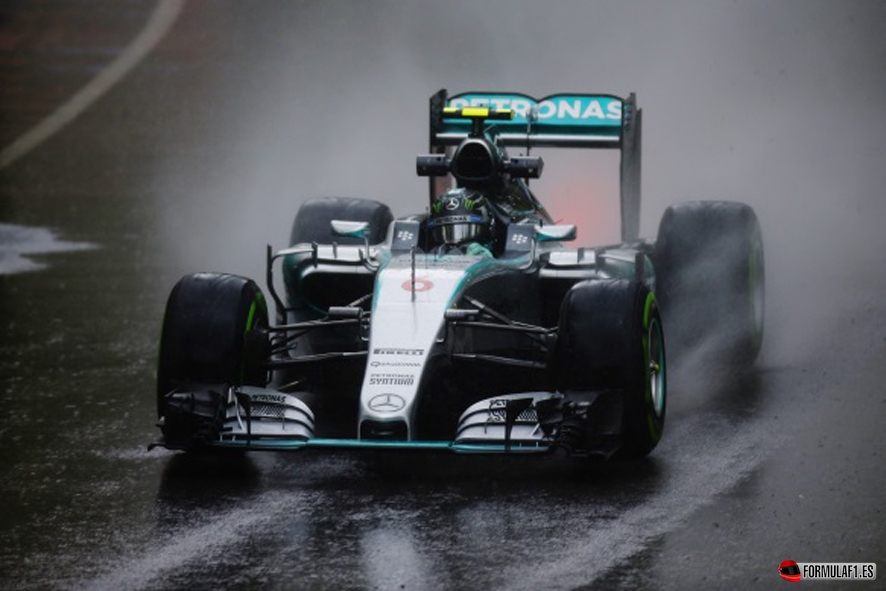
[699, 474]
[197, 544]
[164, 16]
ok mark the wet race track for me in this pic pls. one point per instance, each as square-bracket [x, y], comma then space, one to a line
[191, 131]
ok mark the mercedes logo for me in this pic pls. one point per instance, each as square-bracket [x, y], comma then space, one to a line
[386, 403]
[452, 203]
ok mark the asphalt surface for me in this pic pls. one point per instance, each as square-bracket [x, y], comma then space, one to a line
[199, 155]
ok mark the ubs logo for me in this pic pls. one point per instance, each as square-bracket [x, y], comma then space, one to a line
[271, 398]
[386, 403]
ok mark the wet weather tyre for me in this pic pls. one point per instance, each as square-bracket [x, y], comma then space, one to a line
[610, 337]
[710, 279]
[214, 332]
[312, 222]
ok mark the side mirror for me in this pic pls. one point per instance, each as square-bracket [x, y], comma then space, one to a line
[349, 229]
[555, 233]
[525, 167]
[432, 165]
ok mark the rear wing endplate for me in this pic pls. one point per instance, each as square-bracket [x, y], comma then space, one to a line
[566, 120]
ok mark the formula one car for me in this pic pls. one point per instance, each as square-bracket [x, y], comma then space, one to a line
[472, 327]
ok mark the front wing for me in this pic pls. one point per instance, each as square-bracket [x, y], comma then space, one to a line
[258, 419]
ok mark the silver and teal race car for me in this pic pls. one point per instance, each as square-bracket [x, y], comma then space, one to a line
[473, 327]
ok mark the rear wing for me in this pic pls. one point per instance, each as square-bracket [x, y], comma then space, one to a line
[567, 120]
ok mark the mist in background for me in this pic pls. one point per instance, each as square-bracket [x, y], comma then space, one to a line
[779, 105]
[203, 154]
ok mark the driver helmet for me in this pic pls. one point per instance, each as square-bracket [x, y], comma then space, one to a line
[459, 216]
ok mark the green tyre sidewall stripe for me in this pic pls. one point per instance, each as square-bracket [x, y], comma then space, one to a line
[652, 419]
[756, 268]
[258, 304]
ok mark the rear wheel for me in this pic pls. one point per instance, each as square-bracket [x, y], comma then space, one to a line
[710, 275]
[310, 294]
[312, 222]
[611, 338]
[214, 333]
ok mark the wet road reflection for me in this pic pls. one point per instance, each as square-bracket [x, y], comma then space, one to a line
[201, 156]
[18, 243]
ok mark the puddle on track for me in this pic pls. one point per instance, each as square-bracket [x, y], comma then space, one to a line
[18, 243]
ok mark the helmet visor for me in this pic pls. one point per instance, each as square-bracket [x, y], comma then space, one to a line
[458, 233]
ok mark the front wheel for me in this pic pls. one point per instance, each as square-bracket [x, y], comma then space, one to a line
[610, 337]
[214, 333]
